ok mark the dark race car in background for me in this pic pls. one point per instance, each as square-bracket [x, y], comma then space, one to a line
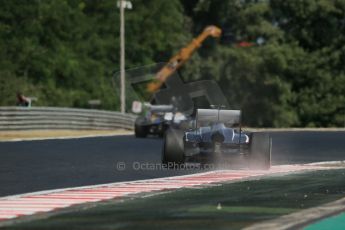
[157, 119]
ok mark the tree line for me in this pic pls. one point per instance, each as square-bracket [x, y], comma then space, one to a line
[281, 62]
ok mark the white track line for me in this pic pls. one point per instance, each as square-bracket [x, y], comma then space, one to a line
[66, 137]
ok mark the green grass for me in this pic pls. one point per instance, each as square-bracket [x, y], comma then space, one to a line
[242, 203]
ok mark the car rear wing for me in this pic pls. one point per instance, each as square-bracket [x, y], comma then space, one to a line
[207, 116]
[161, 108]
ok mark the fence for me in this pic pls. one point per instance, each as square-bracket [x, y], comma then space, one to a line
[22, 118]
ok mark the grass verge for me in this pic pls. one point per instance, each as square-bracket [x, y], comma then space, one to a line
[229, 206]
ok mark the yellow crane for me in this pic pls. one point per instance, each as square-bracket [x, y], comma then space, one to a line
[181, 57]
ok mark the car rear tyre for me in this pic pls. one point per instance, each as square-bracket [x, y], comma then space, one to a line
[173, 149]
[260, 151]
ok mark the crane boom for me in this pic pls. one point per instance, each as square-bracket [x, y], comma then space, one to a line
[181, 57]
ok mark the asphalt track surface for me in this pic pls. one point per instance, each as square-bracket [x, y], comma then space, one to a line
[30, 166]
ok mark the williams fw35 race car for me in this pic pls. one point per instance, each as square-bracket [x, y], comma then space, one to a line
[217, 138]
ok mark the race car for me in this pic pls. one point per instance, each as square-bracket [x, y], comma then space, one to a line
[157, 120]
[217, 137]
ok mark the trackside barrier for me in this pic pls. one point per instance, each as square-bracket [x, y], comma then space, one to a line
[23, 118]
